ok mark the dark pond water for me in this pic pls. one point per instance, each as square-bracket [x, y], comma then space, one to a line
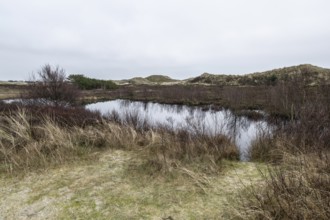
[242, 130]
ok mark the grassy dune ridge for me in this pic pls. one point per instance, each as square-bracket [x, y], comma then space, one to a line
[312, 75]
[149, 80]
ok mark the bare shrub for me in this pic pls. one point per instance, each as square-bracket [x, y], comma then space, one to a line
[50, 86]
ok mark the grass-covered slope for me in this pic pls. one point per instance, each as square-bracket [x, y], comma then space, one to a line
[160, 79]
[150, 80]
[311, 75]
[138, 80]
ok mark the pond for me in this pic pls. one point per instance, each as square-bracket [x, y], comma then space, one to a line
[197, 119]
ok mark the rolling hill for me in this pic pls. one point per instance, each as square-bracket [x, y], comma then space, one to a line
[150, 80]
[311, 75]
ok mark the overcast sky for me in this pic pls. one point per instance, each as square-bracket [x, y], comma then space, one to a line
[118, 39]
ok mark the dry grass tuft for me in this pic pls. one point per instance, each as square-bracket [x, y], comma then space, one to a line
[25, 146]
[168, 149]
[298, 189]
[28, 142]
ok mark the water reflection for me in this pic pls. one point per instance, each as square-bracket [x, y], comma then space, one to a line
[196, 119]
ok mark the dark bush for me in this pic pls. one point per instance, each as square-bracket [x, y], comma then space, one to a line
[86, 83]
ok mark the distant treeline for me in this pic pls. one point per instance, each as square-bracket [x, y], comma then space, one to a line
[87, 83]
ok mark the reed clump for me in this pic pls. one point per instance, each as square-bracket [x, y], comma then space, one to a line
[29, 145]
[181, 147]
[167, 145]
[33, 138]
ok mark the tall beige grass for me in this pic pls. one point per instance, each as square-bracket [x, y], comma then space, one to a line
[25, 146]
[28, 143]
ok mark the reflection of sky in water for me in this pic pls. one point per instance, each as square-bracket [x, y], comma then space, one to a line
[211, 122]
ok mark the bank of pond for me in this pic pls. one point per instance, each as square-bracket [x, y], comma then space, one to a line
[200, 120]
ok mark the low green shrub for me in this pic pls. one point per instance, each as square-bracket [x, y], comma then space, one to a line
[87, 83]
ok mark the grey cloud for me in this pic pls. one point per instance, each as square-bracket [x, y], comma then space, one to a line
[126, 38]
